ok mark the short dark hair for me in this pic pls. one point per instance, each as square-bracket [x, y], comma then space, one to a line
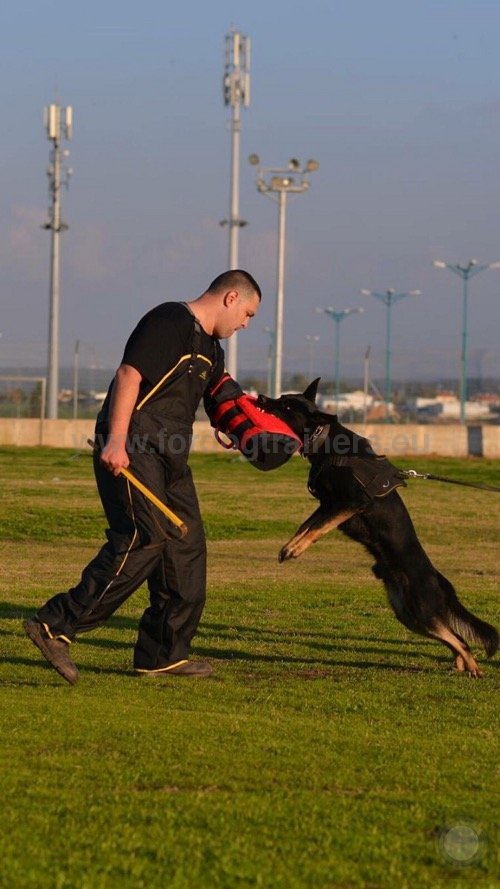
[235, 279]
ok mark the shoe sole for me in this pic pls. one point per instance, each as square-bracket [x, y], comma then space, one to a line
[166, 674]
[31, 629]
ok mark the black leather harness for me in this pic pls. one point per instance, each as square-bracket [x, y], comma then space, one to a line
[376, 474]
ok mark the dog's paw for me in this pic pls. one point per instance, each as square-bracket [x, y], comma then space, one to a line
[470, 667]
[284, 554]
[475, 674]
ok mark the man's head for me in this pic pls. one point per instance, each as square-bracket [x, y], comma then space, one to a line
[236, 297]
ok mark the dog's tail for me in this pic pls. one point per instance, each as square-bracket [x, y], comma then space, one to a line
[466, 624]
[473, 629]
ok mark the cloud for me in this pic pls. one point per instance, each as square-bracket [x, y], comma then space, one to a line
[94, 255]
[455, 110]
[259, 249]
[22, 245]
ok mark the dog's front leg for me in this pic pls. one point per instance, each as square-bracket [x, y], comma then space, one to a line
[318, 524]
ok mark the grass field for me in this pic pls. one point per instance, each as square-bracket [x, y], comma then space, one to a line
[331, 748]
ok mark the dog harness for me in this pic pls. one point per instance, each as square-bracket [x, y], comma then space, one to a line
[376, 474]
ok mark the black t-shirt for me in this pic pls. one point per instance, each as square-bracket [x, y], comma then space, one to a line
[160, 349]
[162, 337]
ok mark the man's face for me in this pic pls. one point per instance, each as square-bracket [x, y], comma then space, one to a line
[236, 314]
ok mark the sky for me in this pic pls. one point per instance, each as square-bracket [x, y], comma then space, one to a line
[398, 101]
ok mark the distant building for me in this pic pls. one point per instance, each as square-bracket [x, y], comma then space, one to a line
[347, 401]
[446, 406]
[356, 402]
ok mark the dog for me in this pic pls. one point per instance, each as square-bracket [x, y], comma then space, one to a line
[357, 494]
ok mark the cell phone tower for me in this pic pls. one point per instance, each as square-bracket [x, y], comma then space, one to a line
[236, 88]
[59, 125]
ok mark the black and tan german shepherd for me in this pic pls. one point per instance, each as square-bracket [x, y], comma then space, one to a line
[357, 493]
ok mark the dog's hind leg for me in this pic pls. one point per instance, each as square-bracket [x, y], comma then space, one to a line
[465, 662]
[317, 525]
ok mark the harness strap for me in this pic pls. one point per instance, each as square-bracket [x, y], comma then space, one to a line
[376, 475]
[195, 345]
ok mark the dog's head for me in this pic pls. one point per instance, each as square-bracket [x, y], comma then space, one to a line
[298, 410]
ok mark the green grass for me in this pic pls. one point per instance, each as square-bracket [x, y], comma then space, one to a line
[331, 746]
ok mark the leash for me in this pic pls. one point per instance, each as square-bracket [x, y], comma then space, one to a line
[412, 473]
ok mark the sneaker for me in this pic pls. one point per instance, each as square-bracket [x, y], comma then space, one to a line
[180, 668]
[54, 650]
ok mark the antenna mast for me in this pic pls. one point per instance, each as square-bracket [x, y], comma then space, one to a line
[59, 124]
[236, 87]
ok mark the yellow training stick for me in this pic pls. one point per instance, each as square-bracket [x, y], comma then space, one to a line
[182, 527]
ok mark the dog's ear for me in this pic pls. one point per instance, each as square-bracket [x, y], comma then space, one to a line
[312, 389]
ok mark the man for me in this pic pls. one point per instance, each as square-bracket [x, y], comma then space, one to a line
[172, 359]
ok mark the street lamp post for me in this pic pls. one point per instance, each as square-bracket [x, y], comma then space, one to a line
[389, 298]
[281, 182]
[76, 373]
[338, 317]
[465, 272]
[236, 88]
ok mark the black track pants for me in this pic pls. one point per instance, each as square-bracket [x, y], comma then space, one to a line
[139, 548]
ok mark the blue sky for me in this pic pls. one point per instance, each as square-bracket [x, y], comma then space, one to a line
[398, 101]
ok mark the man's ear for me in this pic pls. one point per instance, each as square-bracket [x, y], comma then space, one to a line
[230, 297]
[312, 390]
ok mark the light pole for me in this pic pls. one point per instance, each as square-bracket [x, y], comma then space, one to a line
[270, 360]
[338, 316]
[464, 272]
[280, 182]
[389, 298]
[236, 87]
[76, 373]
[58, 122]
[311, 340]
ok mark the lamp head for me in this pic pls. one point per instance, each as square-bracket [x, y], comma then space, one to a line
[312, 165]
